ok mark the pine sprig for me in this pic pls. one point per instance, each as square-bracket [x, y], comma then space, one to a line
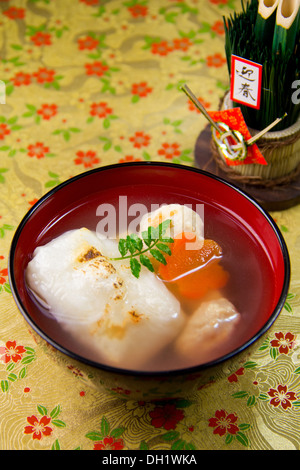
[133, 247]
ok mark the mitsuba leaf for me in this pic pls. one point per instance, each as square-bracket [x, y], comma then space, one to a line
[158, 256]
[163, 227]
[164, 248]
[135, 267]
[146, 262]
[131, 244]
[152, 237]
[146, 238]
[122, 246]
[136, 241]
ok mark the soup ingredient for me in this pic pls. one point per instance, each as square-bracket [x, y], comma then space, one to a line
[183, 219]
[208, 329]
[111, 315]
[156, 245]
[194, 272]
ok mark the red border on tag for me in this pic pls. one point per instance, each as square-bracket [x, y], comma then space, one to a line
[249, 62]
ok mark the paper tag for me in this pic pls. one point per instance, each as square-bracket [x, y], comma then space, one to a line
[245, 86]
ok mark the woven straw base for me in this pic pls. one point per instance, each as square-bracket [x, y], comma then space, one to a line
[280, 149]
[275, 197]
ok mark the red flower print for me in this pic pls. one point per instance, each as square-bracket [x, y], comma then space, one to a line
[77, 372]
[37, 150]
[138, 10]
[11, 352]
[166, 417]
[47, 111]
[141, 89]
[129, 158]
[21, 78]
[192, 107]
[100, 109]
[140, 139]
[90, 2]
[87, 43]
[15, 13]
[109, 443]
[32, 202]
[281, 396]
[218, 27]
[161, 48]
[41, 39]
[234, 377]
[284, 343]
[219, 2]
[3, 272]
[169, 150]
[3, 131]
[182, 44]
[96, 68]
[88, 159]
[216, 60]
[38, 428]
[44, 75]
[224, 422]
[121, 391]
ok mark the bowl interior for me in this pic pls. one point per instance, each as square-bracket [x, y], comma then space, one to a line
[254, 250]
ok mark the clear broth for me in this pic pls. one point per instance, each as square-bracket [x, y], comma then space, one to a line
[243, 257]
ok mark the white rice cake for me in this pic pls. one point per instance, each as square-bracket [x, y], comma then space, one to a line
[123, 320]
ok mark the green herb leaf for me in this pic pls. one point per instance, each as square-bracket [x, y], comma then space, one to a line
[164, 248]
[136, 242]
[167, 240]
[158, 256]
[133, 246]
[122, 246]
[163, 227]
[146, 262]
[135, 267]
[146, 238]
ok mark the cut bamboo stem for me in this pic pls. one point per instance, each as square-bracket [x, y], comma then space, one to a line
[286, 27]
[265, 21]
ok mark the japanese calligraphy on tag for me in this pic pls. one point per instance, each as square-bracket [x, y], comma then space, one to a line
[245, 86]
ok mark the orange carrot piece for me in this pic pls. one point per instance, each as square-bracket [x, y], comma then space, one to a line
[194, 271]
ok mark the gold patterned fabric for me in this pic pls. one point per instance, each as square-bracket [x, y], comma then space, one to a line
[95, 82]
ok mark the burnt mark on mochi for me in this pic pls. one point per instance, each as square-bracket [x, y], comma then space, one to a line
[91, 253]
[118, 285]
[135, 316]
[95, 259]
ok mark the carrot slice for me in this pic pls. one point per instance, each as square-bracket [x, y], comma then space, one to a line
[194, 271]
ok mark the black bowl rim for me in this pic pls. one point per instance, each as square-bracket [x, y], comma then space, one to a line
[156, 373]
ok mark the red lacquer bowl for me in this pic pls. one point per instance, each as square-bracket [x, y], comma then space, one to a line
[254, 251]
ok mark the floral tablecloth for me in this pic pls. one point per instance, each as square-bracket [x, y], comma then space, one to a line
[95, 82]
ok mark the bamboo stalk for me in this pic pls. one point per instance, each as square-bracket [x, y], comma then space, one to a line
[286, 27]
[280, 69]
[265, 21]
